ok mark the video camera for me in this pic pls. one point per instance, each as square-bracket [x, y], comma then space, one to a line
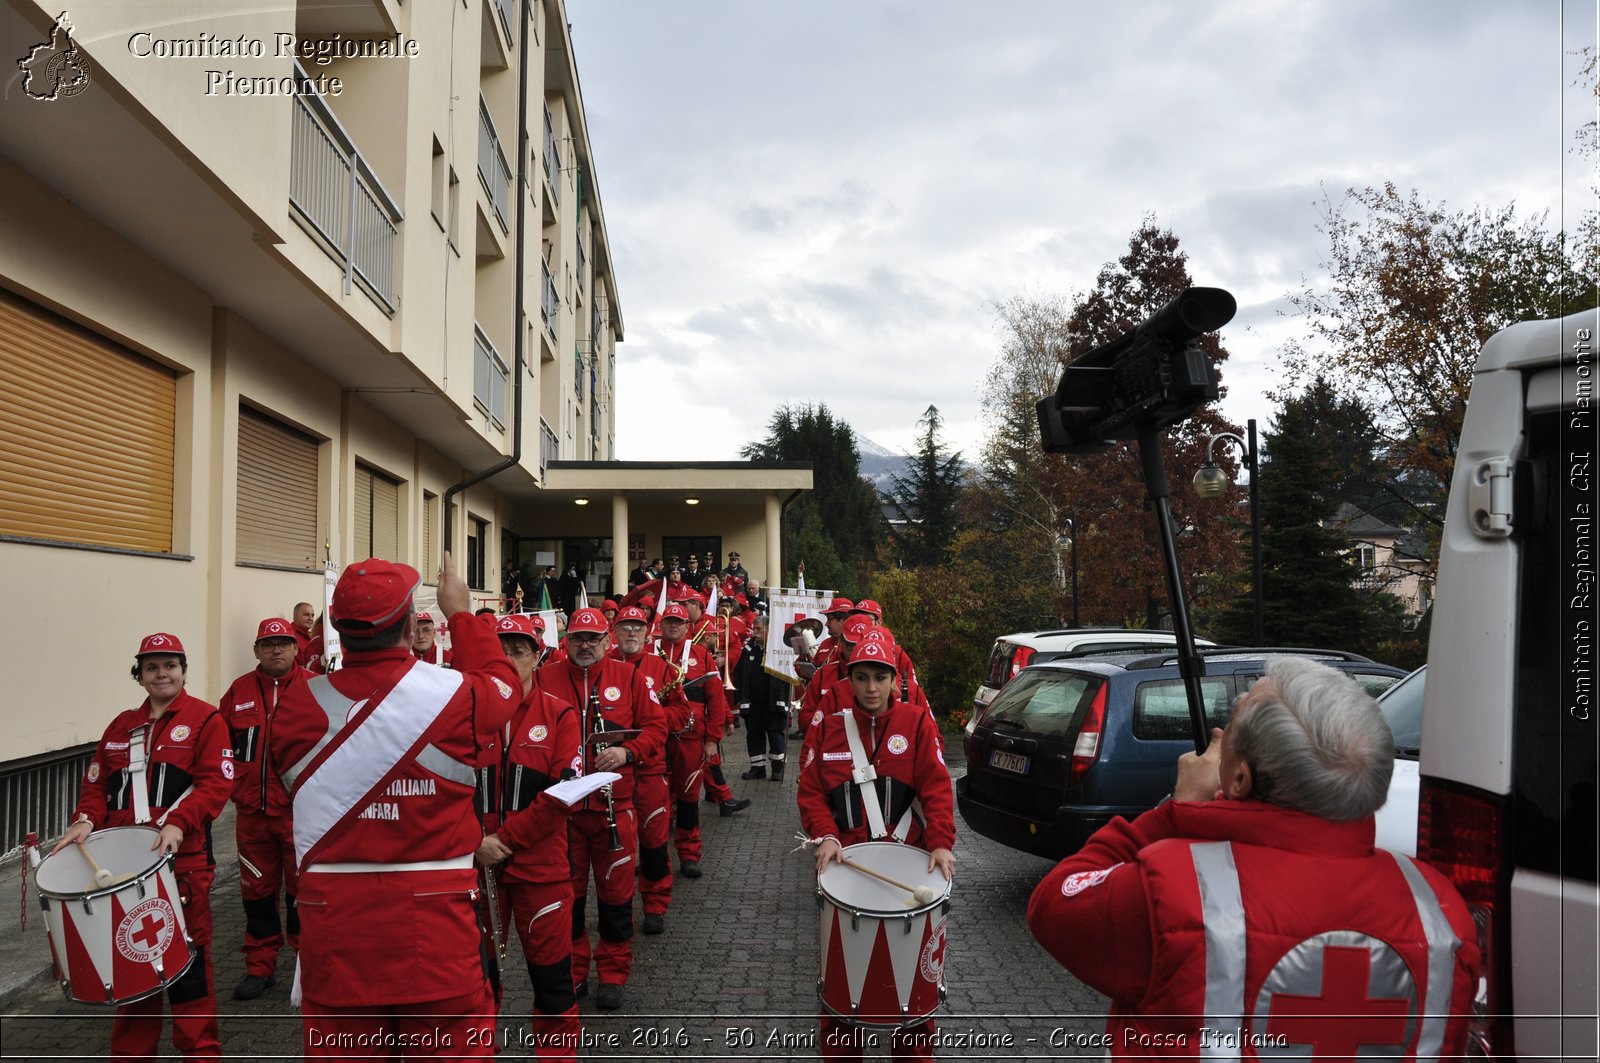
[1151, 376]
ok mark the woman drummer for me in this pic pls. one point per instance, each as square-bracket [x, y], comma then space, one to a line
[901, 742]
[187, 775]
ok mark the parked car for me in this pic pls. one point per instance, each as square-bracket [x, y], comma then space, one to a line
[1509, 752]
[1074, 742]
[1012, 653]
[1402, 707]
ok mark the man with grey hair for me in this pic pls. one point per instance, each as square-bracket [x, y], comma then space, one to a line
[1250, 914]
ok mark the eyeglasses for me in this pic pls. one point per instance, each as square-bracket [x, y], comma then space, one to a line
[585, 638]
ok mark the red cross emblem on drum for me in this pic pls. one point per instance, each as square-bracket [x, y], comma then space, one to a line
[1339, 993]
[146, 931]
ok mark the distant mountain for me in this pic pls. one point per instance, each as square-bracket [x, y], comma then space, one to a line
[880, 464]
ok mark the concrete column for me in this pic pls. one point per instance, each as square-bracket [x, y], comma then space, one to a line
[774, 577]
[620, 565]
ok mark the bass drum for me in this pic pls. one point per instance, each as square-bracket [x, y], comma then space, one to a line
[121, 941]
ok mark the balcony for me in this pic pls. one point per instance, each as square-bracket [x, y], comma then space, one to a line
[489, 380]
[549, 301]
[493, 170]
[552, 158]
[549, 446]
[336, 192]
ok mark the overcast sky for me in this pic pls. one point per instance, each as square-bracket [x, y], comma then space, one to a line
[824, 201]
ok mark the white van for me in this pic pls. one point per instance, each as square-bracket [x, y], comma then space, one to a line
[1508, 796]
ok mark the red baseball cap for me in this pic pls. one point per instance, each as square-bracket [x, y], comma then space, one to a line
[538, 621]
[870, 607]
[424, 617]
[161, 642]
[873, 651]
[648, 601]
[839, 605]
[371, 595]
[856, 628]
[631, 615]
[519, 625]
[675, 611]
[588, 621]
[607, 604]
[275, 628]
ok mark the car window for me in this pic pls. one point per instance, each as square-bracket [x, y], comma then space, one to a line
[1374, 683]
[1044, 702]
[1402, 707]
[999, 662]
[1161, 708]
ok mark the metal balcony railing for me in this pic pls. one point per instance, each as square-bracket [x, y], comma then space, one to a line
[508, 18]
[489, 378]
[549, 446]
[40, 793]
[493, 170]
[552, 157]
[581, 260]
[549, 301]
[335, 190]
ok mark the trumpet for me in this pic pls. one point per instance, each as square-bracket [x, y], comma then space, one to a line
[727, 657]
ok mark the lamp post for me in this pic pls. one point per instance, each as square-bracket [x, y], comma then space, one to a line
[1064, 543]
[1211, 482]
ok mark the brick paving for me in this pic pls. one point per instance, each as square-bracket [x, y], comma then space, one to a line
[733, 977]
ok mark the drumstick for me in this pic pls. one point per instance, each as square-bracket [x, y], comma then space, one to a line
[923, 894]
[102, 877]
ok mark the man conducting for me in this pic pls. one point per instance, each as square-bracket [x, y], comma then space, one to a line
[1251, 915]
[379, 759]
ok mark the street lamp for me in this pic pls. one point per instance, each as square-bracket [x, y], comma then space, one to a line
[1211, 482]
[1065, 543]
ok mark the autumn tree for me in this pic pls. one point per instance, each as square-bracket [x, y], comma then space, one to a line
[841, 508]
[925, 498]
[1414, 291]
[1122, 572]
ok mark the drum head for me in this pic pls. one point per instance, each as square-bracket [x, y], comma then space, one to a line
[849, 888]
[126, 852]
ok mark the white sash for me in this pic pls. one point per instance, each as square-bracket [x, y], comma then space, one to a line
[864, 775]
[362, 758]
[136, 763]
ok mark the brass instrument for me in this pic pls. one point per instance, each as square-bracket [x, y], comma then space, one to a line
[491, 897]
[727, 657]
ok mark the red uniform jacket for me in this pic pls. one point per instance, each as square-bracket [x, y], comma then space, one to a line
[902, 744]
[187, 746]
[622, 699]
[248, 708]
[710, 703]
[395, 934]
[541, 747]
[1198, 912]
[680, 713]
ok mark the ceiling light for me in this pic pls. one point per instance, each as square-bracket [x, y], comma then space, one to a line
[580, 501]
[691, 501]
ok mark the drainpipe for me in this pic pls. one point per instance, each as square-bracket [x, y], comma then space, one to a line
[515, 457]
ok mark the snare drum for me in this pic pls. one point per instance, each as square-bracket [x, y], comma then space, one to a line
[882, 958]
[123, 941]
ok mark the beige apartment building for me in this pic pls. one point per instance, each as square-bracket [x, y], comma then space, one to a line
[290, 284]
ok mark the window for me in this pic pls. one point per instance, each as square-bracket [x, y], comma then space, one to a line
[430, 551]
[489, 379]
[437, 200]
[377, 513]
[1161, 708]
[1045, 703]
[477, 546]
[276, 513]
[90, 429]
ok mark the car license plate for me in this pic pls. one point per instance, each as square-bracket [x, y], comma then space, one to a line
[1009, 761]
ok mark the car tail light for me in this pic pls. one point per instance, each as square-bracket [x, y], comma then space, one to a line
[1462, 833]
[1087, 747]
[1019, 661]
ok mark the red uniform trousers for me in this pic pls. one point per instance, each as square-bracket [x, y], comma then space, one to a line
[459, 1028]
[266, 860]
[136, 1030]
[686, 763]
[652, 803]
[589, 848]
[541, 912]
[841, 1040]
[717, 788]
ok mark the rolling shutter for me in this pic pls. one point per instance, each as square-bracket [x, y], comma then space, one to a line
[377, 513]
[90, 427]
[277, 507]
[429, 566]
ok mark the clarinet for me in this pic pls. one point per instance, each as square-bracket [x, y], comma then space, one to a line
[605, 791]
